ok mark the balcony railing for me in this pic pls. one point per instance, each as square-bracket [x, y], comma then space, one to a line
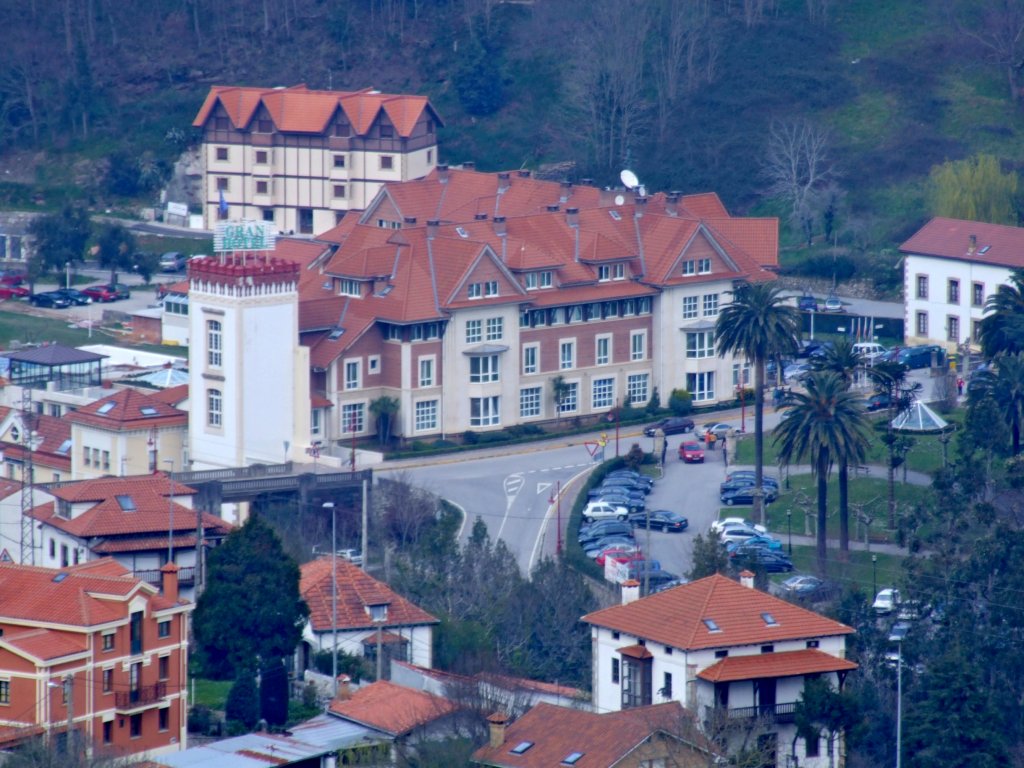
[780, 713]
[141, 696]
[186, 576]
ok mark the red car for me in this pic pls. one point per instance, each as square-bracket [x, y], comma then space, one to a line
[101, 293]
[622, 554]
[691, 453]
[13, 292]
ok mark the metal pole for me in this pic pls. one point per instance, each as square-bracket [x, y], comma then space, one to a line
[789, 528]
[69, 695]
[899, 702]
[334, 597]
[170, 512]
[364, 543]
[617, 417]
[558, 502]
[380, 661]
[874, 575]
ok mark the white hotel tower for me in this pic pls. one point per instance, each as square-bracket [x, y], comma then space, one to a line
[248, 375]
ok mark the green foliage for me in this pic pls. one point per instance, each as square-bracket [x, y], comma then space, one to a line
[200, 718]
[975, 189]
[251, 607]
[478, 79]
[356, 667]
[274, 693]
[654, 404]
[383, 410]
[821, 708]
[60, 240]
[116, 249]
[243, 703]
[635, 457]
[1002, 328]
[709, 556]
[680, 402]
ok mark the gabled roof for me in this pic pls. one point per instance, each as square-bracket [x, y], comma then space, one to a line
[714, 612]
[79, 596]
[994, 244]
[54, 354]
[45, 644]
[299, 109]
[53, 448]
[391, 708]
[809, 661]
[129, 410]
[356, 591]
[172, 395]
[548, 734]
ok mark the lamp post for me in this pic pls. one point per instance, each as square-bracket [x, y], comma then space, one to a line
[899, 632]
[741, 393]
[557, 500]
[329, 505]
[170, 511]
[789, 528]
[874, 574]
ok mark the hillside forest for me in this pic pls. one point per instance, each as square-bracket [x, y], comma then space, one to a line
[832, 114]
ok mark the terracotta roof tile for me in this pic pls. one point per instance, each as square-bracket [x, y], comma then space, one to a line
[603, 740]
[950, 239]
[356, 590]
[171, 395]
[785, 664]
[46, 644]
[53, 434]
[129, 410]
[67, 596]
[676, 617]
[392, 708]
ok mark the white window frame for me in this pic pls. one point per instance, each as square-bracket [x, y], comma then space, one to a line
[530, 281]
[494, 329]
[426, 370]
[491, 288]
[348, 287]
[352, 374]
[604, 273]
[214, 343]
[618, 272]
[545, 279]
[602, 393]
[704, 266]
[603, 357]
[316, 420]
[638, 345]
[710, 305]
[701, 386]
[700, 344]
[691, 310]
[531, 359]
[214, 412]
[638, 387]
[488, 369]
[689, 267]
[353, 415]
[531, 401]
[570, 398]
[488, 411]
[566, 362]
[474, 331]
[373, 364]
[474, 291]
[425, 416]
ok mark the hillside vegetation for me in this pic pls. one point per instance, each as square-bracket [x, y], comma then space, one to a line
[97, 97]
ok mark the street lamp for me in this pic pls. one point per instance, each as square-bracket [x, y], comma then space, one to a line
[789, 528]
[170, 511]
[897, 635]
[329, 505]
[874, 575]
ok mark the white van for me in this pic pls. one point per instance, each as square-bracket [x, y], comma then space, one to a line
[869, 350]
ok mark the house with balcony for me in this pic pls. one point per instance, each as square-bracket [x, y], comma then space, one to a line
[547, 735]
[370, 617]
[302, 158]
[92, 646]
[950, 269]
[141, 522]
[736, 657]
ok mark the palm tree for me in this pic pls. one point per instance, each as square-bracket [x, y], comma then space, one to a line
[823, 425]
[1005, 384]
[1002, 328]
[383, 410]
[890, 377]
[758, 325]
[843, 360]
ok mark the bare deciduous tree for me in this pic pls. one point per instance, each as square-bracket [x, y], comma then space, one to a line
[797, 166]
[998, 26]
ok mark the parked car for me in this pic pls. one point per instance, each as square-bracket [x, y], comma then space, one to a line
[617, 490]
[735, 485]
[653, 580]
[108, 292]
[746, 495]
[879, 401]
[633, 504]
[13, 292]
[922, 356]
[807, 303]
[11, 277]
[886, 601]
[749, 475]
[594, 548]
[736, 534]
[75, 296]
[718, 428]
[801, 585]
[604, 528]
[763, 541]
[772, 562]
[797, 371]
[662, 520]
[691, 453]
[631, 485]
[50, 299]
[597, 510]
[172, 261]
[622, 554]
[628, 474]
[673, 425]
[720, 525]
[832, 304]
[869, 351]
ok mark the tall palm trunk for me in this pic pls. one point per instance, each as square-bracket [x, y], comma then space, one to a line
[822, 473]
[758, 506]
[844, 508]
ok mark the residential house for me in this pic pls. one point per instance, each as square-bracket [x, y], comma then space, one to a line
[302, 158]
[370, 616]
[950, 269]
[46, 438]
[731, 653]
[93, 646]
[127, 433]
[643, 737]
[130, 519]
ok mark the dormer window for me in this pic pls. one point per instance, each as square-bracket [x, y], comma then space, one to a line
[378, 612]
[64, 509]
[347, 287]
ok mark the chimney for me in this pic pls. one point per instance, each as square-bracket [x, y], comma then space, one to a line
[499, 226]
[747, 578]
[503, 182]
[672, 203]
[973, 247]
[572, 217]
[524, 174]
[409, 220]
[468, 165]
[442, 173]
[630, 591]
[641, 203]
[566, 190]
[496, 725]
[432, 226]
[169, 581]
[344, 687]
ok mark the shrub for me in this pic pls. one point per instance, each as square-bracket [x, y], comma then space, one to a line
[635, 457]
[654, 404]
[243, 704]
[680, 402]
[200, 718]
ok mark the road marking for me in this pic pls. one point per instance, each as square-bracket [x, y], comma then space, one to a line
[512, 484]
[541, 487]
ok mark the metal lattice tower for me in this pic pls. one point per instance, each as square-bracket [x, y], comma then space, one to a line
[29, 437]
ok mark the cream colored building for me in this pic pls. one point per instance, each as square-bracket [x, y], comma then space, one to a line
[301, 158]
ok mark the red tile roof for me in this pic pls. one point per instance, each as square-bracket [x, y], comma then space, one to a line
[52, 433]
[603, 740]
[784, 664]
[951, 239]
[392, 708]
[171, 395]
[356, 590]
[129, 410]
[299, 109]
[677, 617]
[45, 644]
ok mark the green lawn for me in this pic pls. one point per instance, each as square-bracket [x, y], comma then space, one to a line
[859, 571]
[211, 693]
[30, 329]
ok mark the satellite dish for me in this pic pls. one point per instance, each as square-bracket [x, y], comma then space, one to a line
[629, 179]
[619, 200]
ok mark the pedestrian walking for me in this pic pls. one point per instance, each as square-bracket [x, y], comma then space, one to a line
[712, 439]
[960, 386]
[664, 450]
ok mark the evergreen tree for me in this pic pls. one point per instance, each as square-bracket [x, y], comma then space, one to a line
[709, 556]
[243, 703]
